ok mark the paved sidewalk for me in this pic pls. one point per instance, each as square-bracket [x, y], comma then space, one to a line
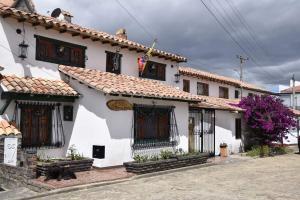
[275, 178]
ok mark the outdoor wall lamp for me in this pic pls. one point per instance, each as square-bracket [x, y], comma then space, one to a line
[177, 78]
[23, 50]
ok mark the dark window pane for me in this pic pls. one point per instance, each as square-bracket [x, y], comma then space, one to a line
[236, 94]
[223, 92]
[238, 128]
[186, 85]
[202, 89]
[113, 62]
[59, 52]
[154, 70]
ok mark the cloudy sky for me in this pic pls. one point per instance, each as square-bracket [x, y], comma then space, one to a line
[266, 31]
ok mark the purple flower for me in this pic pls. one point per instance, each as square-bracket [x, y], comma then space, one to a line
[268, 117]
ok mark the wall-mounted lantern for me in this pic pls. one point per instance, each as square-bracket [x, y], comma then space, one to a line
[23, 50]
[177, 78]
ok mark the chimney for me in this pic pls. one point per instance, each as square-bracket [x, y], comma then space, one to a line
[62, 15]
[121, 33]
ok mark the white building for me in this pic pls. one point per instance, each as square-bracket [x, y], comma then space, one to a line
[286, 94]
[63, 84]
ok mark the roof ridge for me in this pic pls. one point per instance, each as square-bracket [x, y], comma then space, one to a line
[101, 35]
[239, 83]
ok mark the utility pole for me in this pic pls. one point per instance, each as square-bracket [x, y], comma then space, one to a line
[242, 61]
[294, 92]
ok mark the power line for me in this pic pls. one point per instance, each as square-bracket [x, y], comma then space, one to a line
[249, 29]
[231, 23]
[231, 36]
[136, 20]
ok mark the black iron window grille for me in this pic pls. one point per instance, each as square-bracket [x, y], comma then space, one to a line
[154, 127]
[40, 124]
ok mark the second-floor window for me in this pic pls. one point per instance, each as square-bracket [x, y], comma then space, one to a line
[154, 70]
[236, 94]
[186, 85]
[113, 62]
[202, 89]
[59, 52]
[223, 92]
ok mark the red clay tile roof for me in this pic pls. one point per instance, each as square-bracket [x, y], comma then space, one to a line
[31, 85]
[296, 112]
[290, 90]
[219, 104]
[110, 83]
[8, 129]
[50, 22]
[217, 78]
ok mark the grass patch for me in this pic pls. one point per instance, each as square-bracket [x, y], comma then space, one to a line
[266, 151]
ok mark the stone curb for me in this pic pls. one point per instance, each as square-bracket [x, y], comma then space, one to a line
[92, 185]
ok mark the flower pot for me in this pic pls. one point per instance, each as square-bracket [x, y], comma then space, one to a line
[223, 151]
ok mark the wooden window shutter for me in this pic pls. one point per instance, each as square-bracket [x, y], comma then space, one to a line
[206, 89]
[163, 125]
[186, 85]
[161, 72]
[77, 56]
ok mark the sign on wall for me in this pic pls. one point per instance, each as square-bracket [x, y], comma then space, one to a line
[118, 105]
[10, 151]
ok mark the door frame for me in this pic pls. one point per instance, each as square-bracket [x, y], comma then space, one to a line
[201, 111]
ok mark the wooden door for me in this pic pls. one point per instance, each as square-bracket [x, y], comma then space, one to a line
[36, 125]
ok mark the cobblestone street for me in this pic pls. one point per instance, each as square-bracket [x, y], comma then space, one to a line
[275, 178]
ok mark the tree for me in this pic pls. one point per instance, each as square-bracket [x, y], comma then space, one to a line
[267, 117]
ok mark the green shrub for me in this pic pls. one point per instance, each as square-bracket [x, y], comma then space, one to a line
[165, 154]
[280, 150]
[73, 154]
[154, 158]
[259, 151]
[140, 158]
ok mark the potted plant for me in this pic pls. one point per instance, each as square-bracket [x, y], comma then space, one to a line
[223, 149]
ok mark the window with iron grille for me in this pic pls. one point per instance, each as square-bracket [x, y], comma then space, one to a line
[236, 94]
[238, 128]
[202, 89]
[154, 126]
[154, 70]
[113, 62]
[186, 85]
[59, 52]
[223, 92]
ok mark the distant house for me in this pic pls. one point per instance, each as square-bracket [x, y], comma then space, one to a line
[286, 95]
[227, 118]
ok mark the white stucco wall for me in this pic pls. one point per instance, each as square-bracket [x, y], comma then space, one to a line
[95, 53]
[96, 124]
[225, 131]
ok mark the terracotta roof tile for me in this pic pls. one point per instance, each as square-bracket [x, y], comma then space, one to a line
[217, 78]
[290, 90]
[110, 83]
[36, 86]
[219, 104]
[54, 23]
[8, 129]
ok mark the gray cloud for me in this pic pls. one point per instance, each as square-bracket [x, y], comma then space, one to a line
[186, 28]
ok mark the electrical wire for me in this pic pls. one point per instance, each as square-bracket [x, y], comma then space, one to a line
[136, 20]
[233, 39]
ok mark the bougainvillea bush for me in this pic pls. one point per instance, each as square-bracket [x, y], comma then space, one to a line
[267, 118]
